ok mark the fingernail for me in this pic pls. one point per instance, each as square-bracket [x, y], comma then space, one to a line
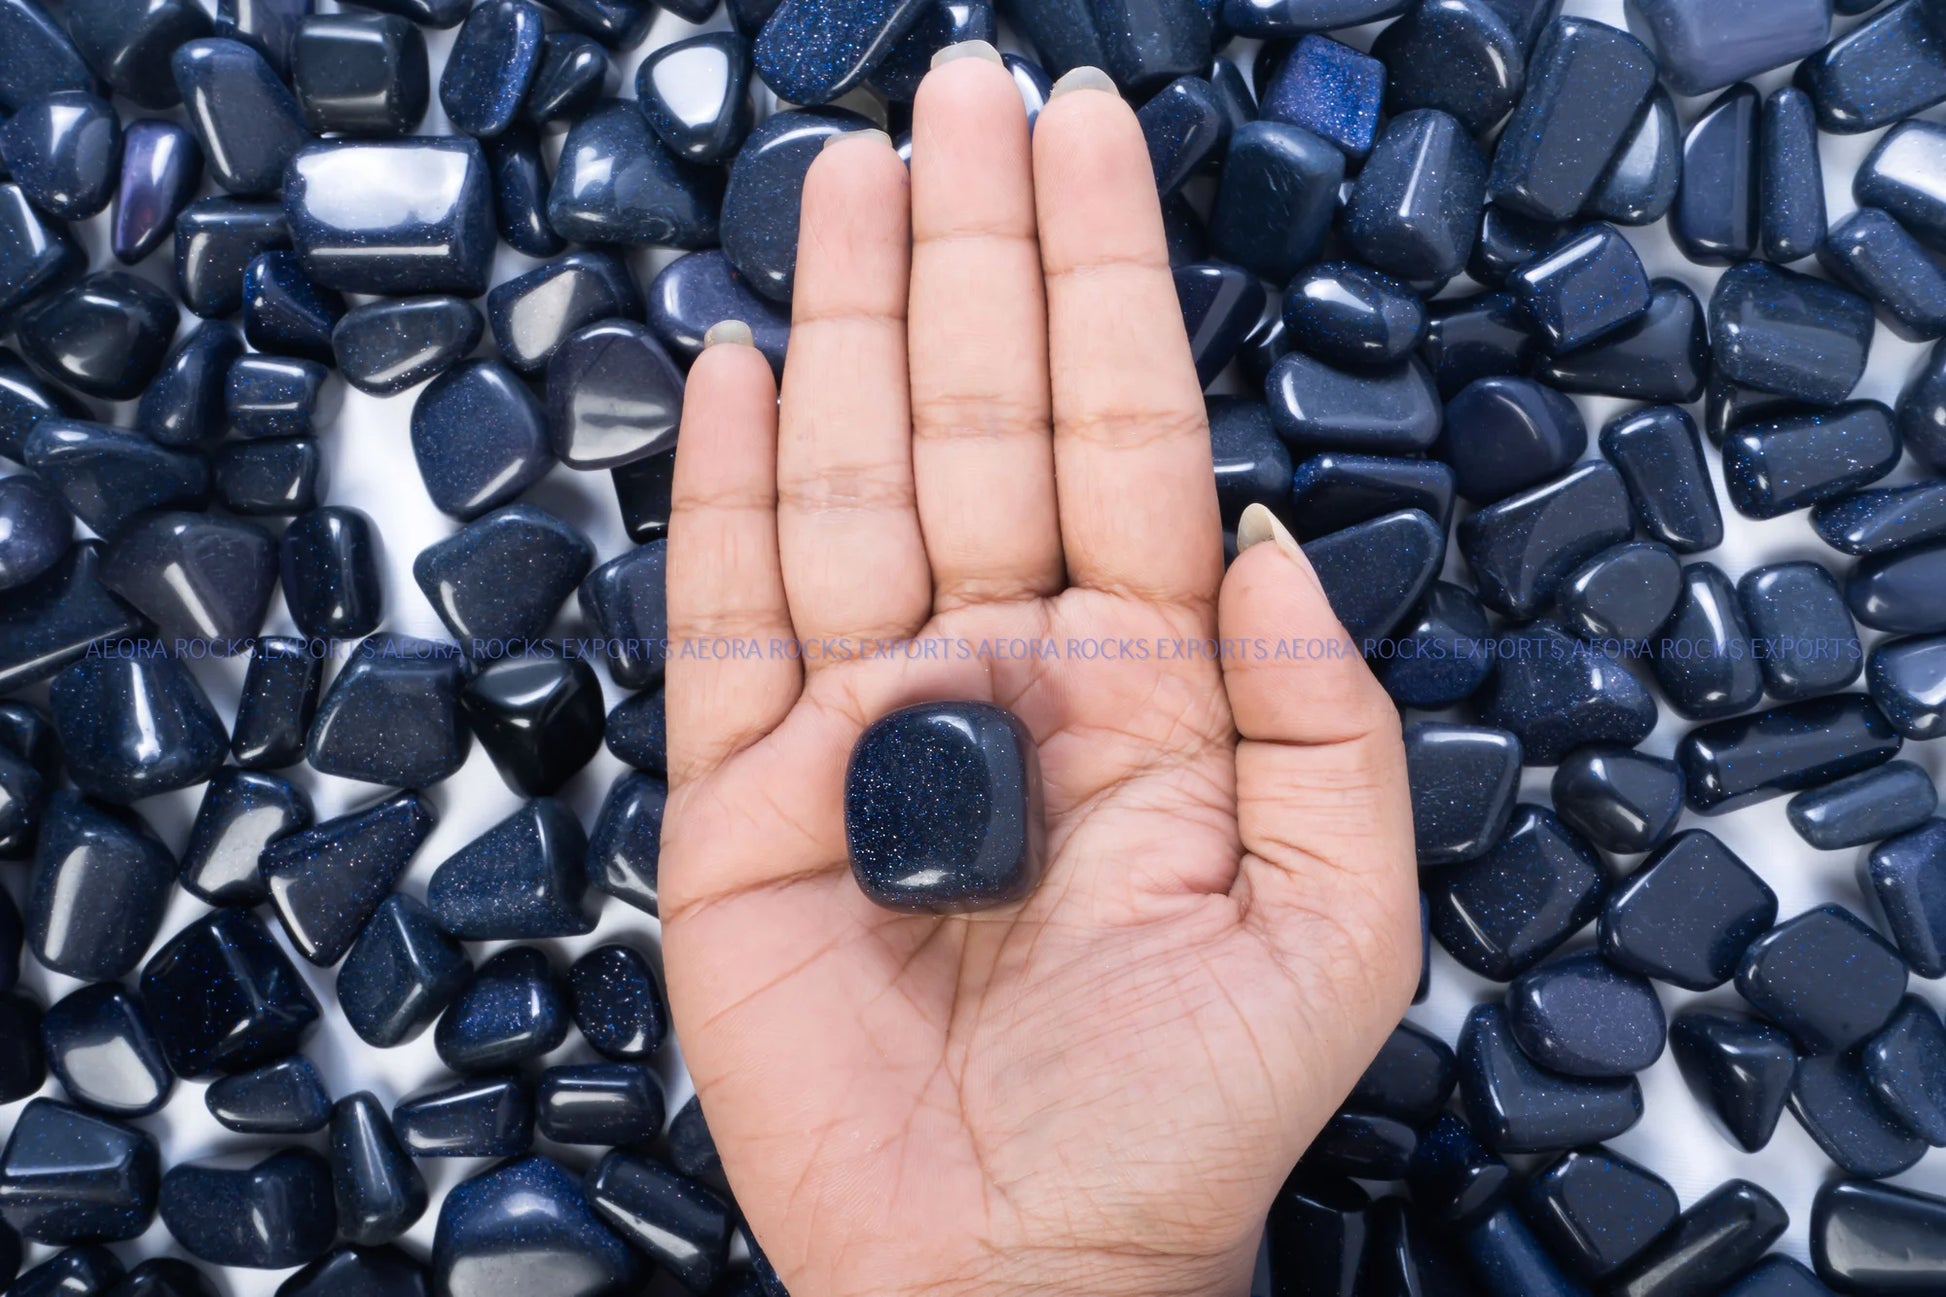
[730, 332]
[1083, 78]
[967, 50]
[1259, 524]
[880, 136]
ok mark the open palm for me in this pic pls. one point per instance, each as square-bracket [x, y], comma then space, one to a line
[991, 480]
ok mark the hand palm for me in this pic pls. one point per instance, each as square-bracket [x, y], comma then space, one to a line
[1102, 1086]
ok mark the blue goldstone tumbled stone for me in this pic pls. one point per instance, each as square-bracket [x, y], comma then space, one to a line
[25, 397]
[599, 1103]
[1688, 914]
[1791, 176]
[1704, 659]
[215, 239]
[165, 1276]
[129, 42]
[1586, 286]
[1731, 763]
[104, 1053]
[282, 1098]
[702, 289]
[1905, 175]
[539, 718]
[1823, 976]
[523, 878]
[105, 336]
[64, 152]
[1503, 912]
[1316, 1231]
[36, 253]
[1458, 56]
[1717, 1239]
[1789, 334]
[69, 1176]
[1469, 338]
[392, 216]
[1464, 780]
[614, 395]
[617, 184]
[1502, 435]
[360, 74]
[1704, 47]
[1185, 126]
[813, 51]
[1507, 1259]
[534, 313]
[1332, 490]
[328, 559]
[1221, 305]
[480, 438]
[1865, 1234]
[200, 579]
[23, 789]
[1908, 876]
[1374, 573]
[695, 94]
[1905, 1064]
[624, 602]
[400, 973]
[1582, 1016]
[1803, 636]
[1274, 202]
[1313, 406]
[284, 312]
[502, 577]
[1519, 1107]
[36, 56]
[326, 881]
[1453, 1177]
[1331, 90]
[682, 1225]
[1870, 253]
[1619, 799]
[368, 1271]
[1884, 518]
[1625, 593]
[512, 1011]
[1415, 207]
[491, 64]
[243, 811]
[521, 184]
[1367, 1145]
[51, 620]
[1521, 548]
[268, 25]
[83, 1271]
[1558, 695]
[1348, 314]
[1779, 465]
[527, 1223]
[36, 529]
[378, 1191]
[1440, 652]
[247, 121]
[1832, 1098]
[1597, 1210]
[574, 75]
[476, 1117]
[1863, 808]
[384, 347]
[624, 846]
[1251, 464]
[274, 396]
[1411, 1077]
[1645, 174]
[184, 405]
[224, 997]
[1903, 592]
[392, 715]
[617, 1002]
[1907, 678]
[108, 475]
[276, 1214]
[1739, 1068]
[1717, 208]
[690, 1146]
[1890, 66]
[134, 727]
[1662, 355]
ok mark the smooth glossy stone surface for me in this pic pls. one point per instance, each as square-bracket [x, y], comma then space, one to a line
[1731, 763]
[108, 475]
[1332, 491]
[128, 43]
[520, 189]
[1410, 1079]
[1441, 653]
[1787, 333]
[624, 846]
[540, 719]
[1902, 592]
[134, 727]
[1802, 635]
[76, 1272]
[498, 581]
[184, 405]
[614, 395]
[1864, 808]
[50, 621]
[1347, 314]
[400, 973]
[1717, 1239]
[326, 881]
[1145, 43]
[1823, 976]
[100, 1047]
[1663, 355]
[329, 561]
[164, 1276]
[358, 228]
[25, 398]
[202, 579]
[1905, 1065]
[1882, 519]
[1469, 338]
[1519, 1107]
[616, 183]
[242, 812]
[512, 1011]
[1626, 593]
[482, 1117]
[267, 25]
[1366, 1145]
[36, 253]
[1503, 912]
[282, 1098]
[492, 62]
[36, 529]
[1522, 548]
[1274, 202]
[617, 1002]
[1791, 176]
[1252, 466]
[1586, 286]
[1701, 48]
[23, 789]
[1908, 679]
[64, 152]
[1415, 207]
[527, 1225]
[1556, 697]
[36, 57]
[1502, 435]
[224, 997]
[285, 313]
[1581, 1016]
[1902, 176]
[378, 1191]
[387, 346]
[1887, 67]
[599, 1103]
[100, 881]
[1739, 1068]
[1508, 1260]
[1454, 1178]
[574, 75]
[1331, 90]
[216, 238]
[1877, 1238]
[360, 74]
[1908, 876]
[1316, 1233]
[1622, 800]
[1374, 573]
[1705, 661]
[1870, 253]
[683, 1226]
[623, 601]
[699, 290]
[23, 1063]
[246, 120]
[691, 1149]
[68, 1176]
[1715, 217]
[273, 1215]
[358, 1272]
[1597, 1210]
[1185, 126]
[534, 313]
[813, 51]
[1316, 407]
[1221, 304]
[1688, 915]
[1642, 179]
[1779, 465]
[1506, 242]
[1585, 82]
[521, 879]
[161, 167]
[105, 336]
[1464, 780]
[271, 396]
[392, 715]
[1832, 1099]
[480, 438]
[1458, 56]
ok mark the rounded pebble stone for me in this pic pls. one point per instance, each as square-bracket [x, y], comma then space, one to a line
[1581, 1016]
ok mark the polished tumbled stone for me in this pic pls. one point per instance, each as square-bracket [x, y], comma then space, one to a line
[617, 1002]
[184, 405]
[36, 529]
[1468, 338]
[224, 997]
[1907, 678]
[25, 397]
[50, 621]
[1870, 253]
[534, 313]
[356, 229]
[1780, 465]
[1520, 1107]
[282, 1098]
[271, 477]
[104, 1053]
[327, 881]
[38, 254]
[100, 880]
[613, 395]
[598, 1103]
[328, 559]
[200, 579]
[1221, 305]
[527, 1223]
[499, 580]
[512, 1011]
[1314, 406]
[1823, 976]
[1597, 1210]
[267, 25]
[1879, 1237]
[1506, 910]
[64, 152]
[104, 336]
[1330, 491]
[1787, 333]
[242, 812]
[1453, 1177]
[1902, 176]
[39, 58]
[1464, 780]
[387, 346]
[1641, 181]
[617, 184]
[215, 239]
[694, 292]
[1626, 593]
[1688, 915]
[284, 312]
[274, 396]
[1661, 355]
[1347, 314]
[128, 43]
[1732, 763]
[479, 437]
[540, 719]
[624, 846]
[682, 1225]
[378, 1190]
[1414, 208]
[361, 74]
[392, 716]
[1883, 518]
[1803, 636]
[135, 727]
[492, 62]
[1410, 1079]
[1718, 1238]
[574, 75]
[1738, 1067]
[1505, 434]
[1863, 808]
[624, 601]
[1905, 1065]
[69, 1176]
[1274, 202]
[1367, 1145]
[1717, 209]
[1458, 56]
[523, 878]
[108, 475]
[520, 189]
[276, 1214]
[400, 973]
[1901, 592]
[1375, 572]
[1557, 695]
[1705, 47]
[1833, 1100]
[1705, 661]
[83, 1271]
[1583, 288]
[1317, 1229]
[1908, 876]
[1503, 1252]
[1184, 127]
[1331, 90]
[161, 167]
[1251, 463]
[1619, 799]
[1521, 548]
[1582, 1016]
[482, 1117]
[246, 120]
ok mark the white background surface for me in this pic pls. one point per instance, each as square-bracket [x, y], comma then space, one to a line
[371, 468]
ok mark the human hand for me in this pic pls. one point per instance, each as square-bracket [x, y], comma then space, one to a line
[991, 431]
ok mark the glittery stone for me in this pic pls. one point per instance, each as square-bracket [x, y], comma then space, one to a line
[1718, 1238]
[392, 716]
[326, 881]
[1732, 763]
[512, 1011]
[1464, 780]
[1557, 694]
[104, 1053]
[400, 973]
[484, 1117]
[1520, 1107]
[378, 1190]
[1505, 911]
[224, 997]
[68, 1176]
[282, 1098]
[242, 812]
[271, 1216]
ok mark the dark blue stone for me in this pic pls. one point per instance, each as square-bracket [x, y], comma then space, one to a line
[1522, 548]
[277, 704]
[100, 880]
[1871, 253]
[385, 347]
[1502, 435]
[360, 227]
[1470, 338]
[1505, 911]
[520, 189]
[624, 847]
[1187, 238]
[1801, 633]
[1717, 1239]
[282, 1098]
[83, 1271]
[1582, 1016]
[1864, 808]
[201, 579]
[1874, 1237]
[1717, 208]
[64, 152]
[1740, 1069]
[360, 74]
[25, 398]
[896, 77]
[617, 24]
[224, 997]
[270, 1216]
[1905, 1065]
[1642, 179]
[1688, 914]
[480, 438]
[1585, 82]
[1252, 466]
[23, 789]
[691, 1149]
[327, 881]
[1908, 876]
[184, 405]
[1789, 334]
[623, 601]
[1440, 652]
[1782, 464]
[135, 727]
[512, 1011]
[1316, 407]
[574, 75]
[1036, 86]
[477, 1117]
[105, 336]
[1458, 56]
[1366, 1145]
[1221, 304]
[1664, 355]
[1508, 1261]
[1704, 659]
[400, 973]
[329, 562]
[1902, 175]
[1825, 977]
[499, 580]
[492, 62]
[108, 476]
[1791, 177]
[1464, 780]
[683, 1226]
[1882, 519]
[1185, 126]
[1331, 90]
[702, 289]
[1833, 1100]
[1888, 67]
[246, 120]
[1453, 1176]
[36, 529]
[1907, 678]
[1520, 1107]
[1274, 201]
[285, 313]
[1316, 1233]
[617, 1002]
[527, 1225]
[1621, 800]
[614, 395]
[36, 254]
[1597, 1210]
[1410, 1079]
[268, 25]
[392, 716]
[1705, 47]
[216, 238]
[1625, 593]
[129, 42]
[521, 879]
[1376, 572]
[539, 718]
[1557, 695]
[534, 313]
[271, 396]
[1506, 242]
[161, 167]
[1583, 288]
[68, 1176]
[242, 812]
[1145, 44]
[1735, 762]
[378, 1191]
[1903, 592]
[617, 184]
[104, 1053]
[695, 94]
[164, 1276]
[1347, 314]
[1332, 491]
[599, 1103]
[36, 56]
[50, 621]
[813, 51]
[358, 1272]
[1415, 207]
